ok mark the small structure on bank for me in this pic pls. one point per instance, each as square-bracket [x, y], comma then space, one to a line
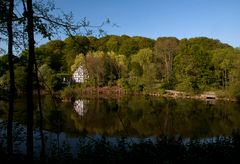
[208, 95]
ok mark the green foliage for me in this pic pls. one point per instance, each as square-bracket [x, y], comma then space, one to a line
[128, 47]
[234, 91]
[192, 66]
[111, 69]
[48, 78]
[165, 49]
[113, 44]
[69, 93]
[79, 60]
[95, 68]
[144, 42]
[225, 63]
[120, 64]
[142, 70]
[20, 79]
[140, 64]
[234, 76]
[73, 46]
[3, 64]
[92, 43]
[123, 83]
[123, 44]
[136, 70]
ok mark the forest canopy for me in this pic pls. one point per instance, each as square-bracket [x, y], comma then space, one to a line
[136, 64]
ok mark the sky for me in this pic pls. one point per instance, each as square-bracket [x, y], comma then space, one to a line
[216, 19]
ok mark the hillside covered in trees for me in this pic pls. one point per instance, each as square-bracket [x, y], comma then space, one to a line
[135, 64]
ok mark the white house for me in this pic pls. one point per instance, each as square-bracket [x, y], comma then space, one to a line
[79, 75]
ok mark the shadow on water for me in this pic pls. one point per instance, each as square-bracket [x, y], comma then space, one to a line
[142, 129]
[98, 148]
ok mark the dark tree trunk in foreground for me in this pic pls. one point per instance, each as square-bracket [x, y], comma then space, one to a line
[12, 83]
[42, 155]
[30, 105]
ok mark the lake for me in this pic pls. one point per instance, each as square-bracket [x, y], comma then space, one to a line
[131, 117]
[138, 116]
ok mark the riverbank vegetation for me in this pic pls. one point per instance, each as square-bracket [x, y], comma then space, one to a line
[133, 64]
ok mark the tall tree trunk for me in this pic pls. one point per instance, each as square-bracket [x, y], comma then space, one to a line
[30, 105]
[42, 155]
[11, 72]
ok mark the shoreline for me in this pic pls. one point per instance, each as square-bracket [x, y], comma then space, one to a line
[117, 92]
[205, 96]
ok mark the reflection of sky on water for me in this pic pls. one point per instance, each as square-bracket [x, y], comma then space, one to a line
[79, 107]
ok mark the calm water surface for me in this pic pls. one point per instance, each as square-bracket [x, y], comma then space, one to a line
[68, 125]
[140, 116]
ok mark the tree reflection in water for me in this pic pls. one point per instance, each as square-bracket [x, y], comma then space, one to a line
[115, 130]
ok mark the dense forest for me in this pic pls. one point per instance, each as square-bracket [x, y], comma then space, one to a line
[135, 64]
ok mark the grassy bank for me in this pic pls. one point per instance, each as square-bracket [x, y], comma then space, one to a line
[72, 93]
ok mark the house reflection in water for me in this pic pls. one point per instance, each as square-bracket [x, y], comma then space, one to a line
[79, 107]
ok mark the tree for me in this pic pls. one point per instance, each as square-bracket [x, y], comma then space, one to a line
[92, 43]
[119, 68]
[29, 14]
[143, 69]
[52, 54]
[95, 67]
[9, 19]
[144, 42]
[111, 69]
[128, 47]
[75, 45]
[234, 76]
[20, 79]
[191, 66]
[43, 22]
[164, 51]
[30, 68]
[4, 64]
[101, 43]
[35, 18]
[79, 60]
[119, 63]
[224, 61]
[113, 43]
[47, 77]
[3, 21]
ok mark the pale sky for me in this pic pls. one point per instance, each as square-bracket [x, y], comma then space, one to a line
[217, 19]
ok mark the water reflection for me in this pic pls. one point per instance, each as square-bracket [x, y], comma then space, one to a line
[79, 107]
[154, 116]
[132, 119]
[139, 116]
